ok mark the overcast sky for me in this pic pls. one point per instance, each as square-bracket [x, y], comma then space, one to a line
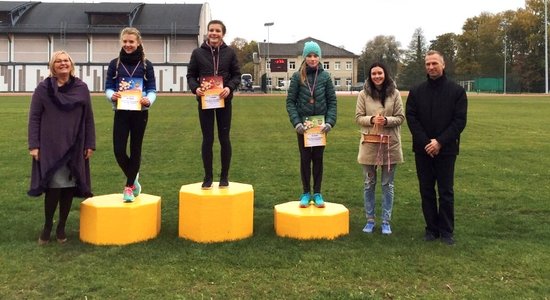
[346, 23]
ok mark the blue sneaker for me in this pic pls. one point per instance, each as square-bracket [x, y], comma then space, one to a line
[137, 187]
[318, 200]
[386, 228]
[304, 200]
[128, 194]
[369, 227]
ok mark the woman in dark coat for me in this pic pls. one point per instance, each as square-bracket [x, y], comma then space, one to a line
[61, 138]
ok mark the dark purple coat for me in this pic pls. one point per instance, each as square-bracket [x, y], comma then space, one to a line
[61, 125]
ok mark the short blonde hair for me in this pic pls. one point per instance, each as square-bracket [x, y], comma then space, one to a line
[54, 57]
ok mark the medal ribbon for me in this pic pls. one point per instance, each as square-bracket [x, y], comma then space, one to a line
[215, 59]
[312, 88]
[130, 74]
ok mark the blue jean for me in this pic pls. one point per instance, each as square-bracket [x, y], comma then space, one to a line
[369, 172]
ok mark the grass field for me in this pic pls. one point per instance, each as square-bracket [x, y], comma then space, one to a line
[502, 213]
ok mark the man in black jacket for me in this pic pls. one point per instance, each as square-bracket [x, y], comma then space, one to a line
[436, 114]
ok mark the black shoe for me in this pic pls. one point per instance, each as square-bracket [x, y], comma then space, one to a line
[44, 237]
[429, 237]
[449, 240]
[206, 184]
[61, 236]
[224, 183]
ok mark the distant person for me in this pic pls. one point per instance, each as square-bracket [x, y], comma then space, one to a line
[311, 93]
[214, 60]
[131, 89]
[436, 115]
[379, 110]
[61, 138]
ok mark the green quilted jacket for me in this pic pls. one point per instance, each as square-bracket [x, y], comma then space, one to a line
[298, 103]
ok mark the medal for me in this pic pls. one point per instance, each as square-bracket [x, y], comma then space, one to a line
[312, 88]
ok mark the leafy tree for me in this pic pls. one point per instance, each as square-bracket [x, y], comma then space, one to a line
[447, 44]
[413, 71]
[383, 49]
[245, 52]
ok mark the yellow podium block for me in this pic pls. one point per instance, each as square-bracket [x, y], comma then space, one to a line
[311, 223]
[216, 215]
[107, 220]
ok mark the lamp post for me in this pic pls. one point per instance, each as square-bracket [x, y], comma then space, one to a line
[504, 25]
[504, 63]
[546, 46]
[269, 24]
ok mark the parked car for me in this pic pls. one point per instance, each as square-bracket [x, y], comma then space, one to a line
[357, 87]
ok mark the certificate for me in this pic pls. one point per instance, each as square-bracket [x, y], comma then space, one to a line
[130, 90]
[313, 137]
[212, 86]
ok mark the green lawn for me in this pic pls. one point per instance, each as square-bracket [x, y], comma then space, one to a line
[502, 213]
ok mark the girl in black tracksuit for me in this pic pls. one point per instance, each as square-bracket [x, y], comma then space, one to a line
[215, 58]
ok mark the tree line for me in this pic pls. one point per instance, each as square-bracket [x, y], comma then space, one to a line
[489, 44]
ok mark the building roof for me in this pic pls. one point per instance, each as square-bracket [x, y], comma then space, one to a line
[106, 17]
[295, 49]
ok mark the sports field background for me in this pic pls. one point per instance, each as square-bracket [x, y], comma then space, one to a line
[502, 213]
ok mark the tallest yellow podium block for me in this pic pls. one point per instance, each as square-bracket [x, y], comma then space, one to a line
[216, 215]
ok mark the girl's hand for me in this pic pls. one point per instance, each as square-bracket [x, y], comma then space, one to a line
[145, 101]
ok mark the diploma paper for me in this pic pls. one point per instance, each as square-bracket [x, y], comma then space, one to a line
[313, 137]
[212, 87]
[130, 90]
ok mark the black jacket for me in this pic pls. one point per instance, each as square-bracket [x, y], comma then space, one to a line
[436, 109]
[202, 64]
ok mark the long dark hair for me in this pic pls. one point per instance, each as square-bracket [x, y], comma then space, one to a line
[387, 88]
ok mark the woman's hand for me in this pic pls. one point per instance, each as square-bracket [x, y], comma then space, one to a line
[35, 153]
[88, 153]
[379, 120]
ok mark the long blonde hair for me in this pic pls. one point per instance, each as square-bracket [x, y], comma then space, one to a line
[54, 57]
[132, 31]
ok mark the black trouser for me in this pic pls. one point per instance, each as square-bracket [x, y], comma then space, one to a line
[53, 196]
[309, 155]
[223, 120]
[129, 124]
[431, 171]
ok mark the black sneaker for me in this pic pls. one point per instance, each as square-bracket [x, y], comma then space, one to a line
[206, 184]
[224, 183]
[429, 237]
[44, 237]
[61, 236]
[449, 240]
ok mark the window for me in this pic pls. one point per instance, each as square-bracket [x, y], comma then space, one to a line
[337, 81]
[337, 65]
[348, 65]
[292, 65]
[326, 65]
[348, 81]
[108, 19]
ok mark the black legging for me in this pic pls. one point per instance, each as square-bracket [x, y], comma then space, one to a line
[129, 124]
[309, 155]
[223, 119]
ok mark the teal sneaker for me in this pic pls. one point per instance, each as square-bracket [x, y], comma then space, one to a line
[128, 194]
[137, 187]
[304, 200]
[318, 199]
